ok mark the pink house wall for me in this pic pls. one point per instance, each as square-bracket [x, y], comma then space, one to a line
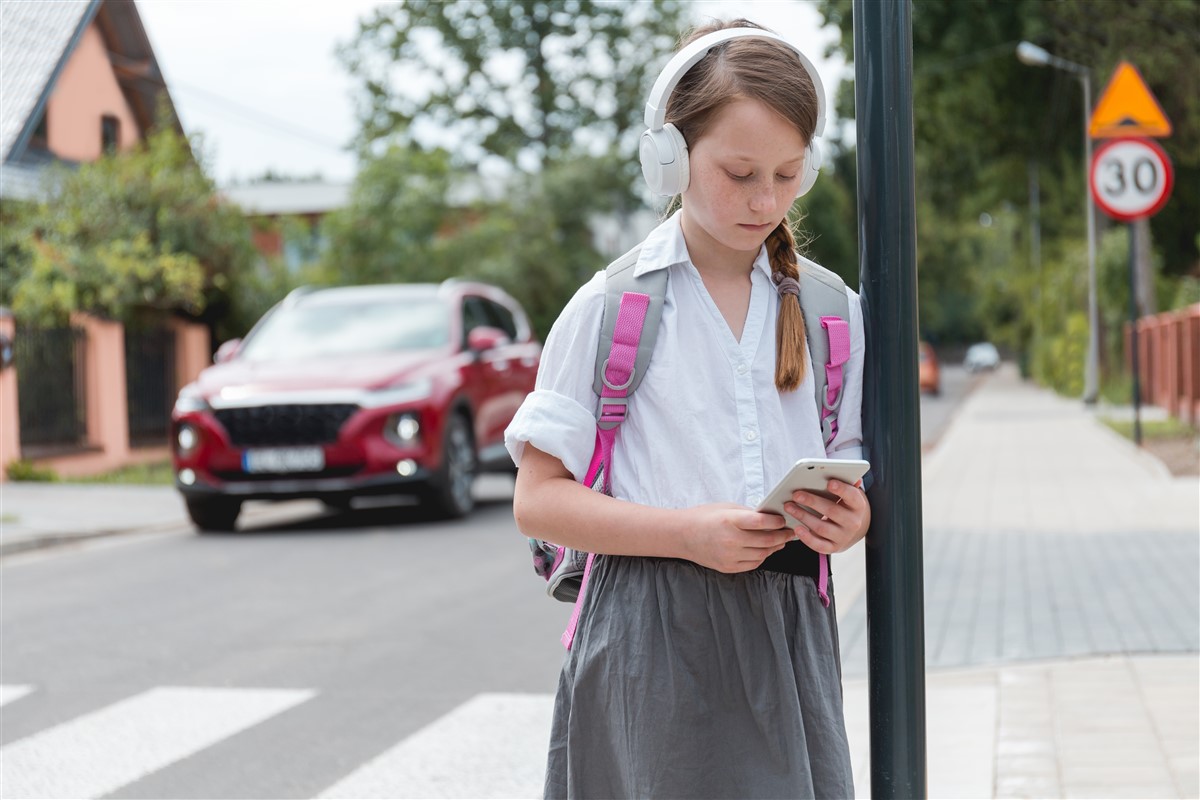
[10, 424]
[86, 90]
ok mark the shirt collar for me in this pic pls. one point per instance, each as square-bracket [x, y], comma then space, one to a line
[665, 247]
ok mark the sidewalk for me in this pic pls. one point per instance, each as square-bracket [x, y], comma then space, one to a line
[1062, 609]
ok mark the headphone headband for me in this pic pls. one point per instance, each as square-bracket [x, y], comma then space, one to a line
[685, 59]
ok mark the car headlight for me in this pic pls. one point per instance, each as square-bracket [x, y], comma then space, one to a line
[187, 438]
[399, 393]
[403, 429]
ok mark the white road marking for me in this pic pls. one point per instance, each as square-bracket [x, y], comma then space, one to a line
[10, 693]
[100, 752]
[494, 745]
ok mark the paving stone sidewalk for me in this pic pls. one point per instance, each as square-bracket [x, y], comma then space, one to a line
[1062, 609]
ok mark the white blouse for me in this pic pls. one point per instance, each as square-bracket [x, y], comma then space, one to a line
[707, 424]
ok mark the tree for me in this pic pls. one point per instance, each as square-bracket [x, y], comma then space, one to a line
[134, 230]
[543, 97]
[528, 81]
[983, 122]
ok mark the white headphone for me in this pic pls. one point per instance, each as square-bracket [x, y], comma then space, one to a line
[662, 149]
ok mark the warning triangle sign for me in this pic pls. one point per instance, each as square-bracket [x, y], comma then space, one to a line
[1127, 108]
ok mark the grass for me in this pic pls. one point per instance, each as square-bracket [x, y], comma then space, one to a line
[155, 473]
[1154, 429]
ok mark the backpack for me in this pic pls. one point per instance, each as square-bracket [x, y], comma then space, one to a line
[632, 312]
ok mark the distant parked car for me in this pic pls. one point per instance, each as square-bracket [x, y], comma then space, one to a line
[929, 374]
[337, 393]
[982, 357]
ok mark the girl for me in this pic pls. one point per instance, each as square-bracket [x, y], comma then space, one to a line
[697, 669]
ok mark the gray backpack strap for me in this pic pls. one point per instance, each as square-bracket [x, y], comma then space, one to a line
[822, 294]
[619, 279]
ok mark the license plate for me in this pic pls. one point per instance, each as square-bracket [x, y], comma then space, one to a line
[284, 459]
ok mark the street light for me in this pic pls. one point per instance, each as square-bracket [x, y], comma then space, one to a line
[1031, 54]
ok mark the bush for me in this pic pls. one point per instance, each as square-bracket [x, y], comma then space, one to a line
[28, 471]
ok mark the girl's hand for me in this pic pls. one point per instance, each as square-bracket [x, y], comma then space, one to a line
[732, 538]
[837, 525]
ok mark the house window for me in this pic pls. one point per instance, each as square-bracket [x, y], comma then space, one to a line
[110, 133]
[40, 136]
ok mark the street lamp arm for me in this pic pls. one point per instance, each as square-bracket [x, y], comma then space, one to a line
[1029, 53]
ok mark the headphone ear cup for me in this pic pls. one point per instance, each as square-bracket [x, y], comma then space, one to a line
[664, 158]
[812, 167]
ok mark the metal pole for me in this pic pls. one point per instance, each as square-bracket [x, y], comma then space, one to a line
[1133, 337]
[1035, 249]
[1091, 372]
[891, 403]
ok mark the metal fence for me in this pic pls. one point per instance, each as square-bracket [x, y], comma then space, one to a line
[52, 408]
[149, 383]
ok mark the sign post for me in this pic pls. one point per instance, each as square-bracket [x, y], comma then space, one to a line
[1130, 177]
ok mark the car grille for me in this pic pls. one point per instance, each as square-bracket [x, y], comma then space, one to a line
[284, 425]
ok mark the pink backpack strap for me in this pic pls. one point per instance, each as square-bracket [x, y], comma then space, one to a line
[838, 332]
[618, 375]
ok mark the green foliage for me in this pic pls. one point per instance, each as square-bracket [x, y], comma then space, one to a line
[987, 125]
[545, 95]
[135, 230]
[28, 471]
[1169, 428]
[389, 232]
[155, 473]
[528, 81]
[1058, 360]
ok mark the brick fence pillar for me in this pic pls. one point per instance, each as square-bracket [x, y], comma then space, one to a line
[10, 421]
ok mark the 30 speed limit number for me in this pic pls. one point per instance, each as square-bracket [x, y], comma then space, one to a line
[1131, 178]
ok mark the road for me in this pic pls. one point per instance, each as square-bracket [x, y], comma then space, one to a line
[355, 654]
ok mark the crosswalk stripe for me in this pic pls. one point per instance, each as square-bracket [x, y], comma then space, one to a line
[102, 751]
[493, 745]
[10, 692]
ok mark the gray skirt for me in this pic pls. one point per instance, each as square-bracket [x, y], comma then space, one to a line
[684, 682]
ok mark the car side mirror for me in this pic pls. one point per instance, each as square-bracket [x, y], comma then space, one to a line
[484, 338]
[227, 351]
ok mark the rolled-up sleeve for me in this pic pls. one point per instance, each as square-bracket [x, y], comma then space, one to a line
[558, 417]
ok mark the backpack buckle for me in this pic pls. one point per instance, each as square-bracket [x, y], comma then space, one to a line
[607, 420]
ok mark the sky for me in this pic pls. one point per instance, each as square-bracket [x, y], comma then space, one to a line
[260, 81]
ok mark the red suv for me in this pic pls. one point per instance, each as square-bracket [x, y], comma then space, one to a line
[335, 393]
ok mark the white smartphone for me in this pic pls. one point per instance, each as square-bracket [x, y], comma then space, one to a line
[811, 475]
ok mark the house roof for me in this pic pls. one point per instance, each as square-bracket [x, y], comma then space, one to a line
[39, 39]
[290, 197]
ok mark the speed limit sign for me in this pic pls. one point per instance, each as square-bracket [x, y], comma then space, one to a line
[1131, 178]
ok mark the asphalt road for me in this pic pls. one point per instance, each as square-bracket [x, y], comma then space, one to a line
[349, 654]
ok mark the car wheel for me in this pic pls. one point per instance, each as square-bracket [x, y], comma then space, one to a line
[338, 503]
[450, 494]
[214, 513]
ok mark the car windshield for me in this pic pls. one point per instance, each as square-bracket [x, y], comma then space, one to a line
[323, 330]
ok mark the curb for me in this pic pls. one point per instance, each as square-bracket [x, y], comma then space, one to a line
[47, 541]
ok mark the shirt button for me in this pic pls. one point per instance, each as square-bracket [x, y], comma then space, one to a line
[751, 436]
[741, 368]
[754, 500]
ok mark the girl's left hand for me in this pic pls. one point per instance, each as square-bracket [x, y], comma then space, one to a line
[838, 524]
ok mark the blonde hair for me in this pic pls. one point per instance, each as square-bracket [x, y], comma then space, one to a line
[768, 71]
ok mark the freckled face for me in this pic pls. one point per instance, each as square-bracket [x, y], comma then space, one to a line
[745, 171]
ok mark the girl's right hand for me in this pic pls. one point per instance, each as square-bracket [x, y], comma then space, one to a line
[732, 538]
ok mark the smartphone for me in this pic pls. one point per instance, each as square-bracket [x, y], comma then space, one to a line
[811, 475]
